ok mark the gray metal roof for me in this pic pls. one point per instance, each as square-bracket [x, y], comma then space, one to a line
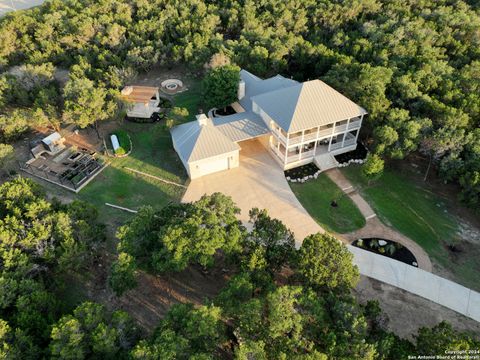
[241, 126]
[256, 86]
[307, 105]
[196, 142]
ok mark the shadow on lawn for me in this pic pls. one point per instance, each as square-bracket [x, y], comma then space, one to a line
[118, 187]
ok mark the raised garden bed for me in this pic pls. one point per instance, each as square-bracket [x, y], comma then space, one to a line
[360, 153]
[387, 248]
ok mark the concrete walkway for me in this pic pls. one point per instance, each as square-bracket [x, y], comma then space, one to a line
[419, 282]
[342, 182]
[374, 228]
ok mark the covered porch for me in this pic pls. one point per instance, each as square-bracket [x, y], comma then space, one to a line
[297, 155]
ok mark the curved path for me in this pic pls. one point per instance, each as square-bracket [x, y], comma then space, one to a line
[259, 182]
[374, 228]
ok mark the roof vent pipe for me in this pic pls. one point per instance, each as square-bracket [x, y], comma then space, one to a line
[203, 120]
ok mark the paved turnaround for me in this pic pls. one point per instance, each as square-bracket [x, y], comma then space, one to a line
[259, 182]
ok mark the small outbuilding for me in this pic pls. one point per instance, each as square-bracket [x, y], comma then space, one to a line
[144, 101]
[203, 149]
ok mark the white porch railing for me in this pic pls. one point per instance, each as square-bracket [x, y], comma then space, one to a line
[278, 152]
[349, 142]
[336, 146]
[302, 156]
[324, 132]
[340, 128]
[354, 124]
[280, 136]
[294, 140]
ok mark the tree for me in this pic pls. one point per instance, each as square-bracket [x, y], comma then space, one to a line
[183, 234]
[41, 241]
[385, 136]
[270, 245]
[93, 333]
[372, 169]
[432, 341]
[86, 103]
[13, 125]
[185, 333]
[67, 338]
[220, 86]
[217, 60]
[325, 263]
[6, 155]
[196, 233]
[122, 274]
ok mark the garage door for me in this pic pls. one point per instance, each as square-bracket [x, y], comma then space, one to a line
[212, 165]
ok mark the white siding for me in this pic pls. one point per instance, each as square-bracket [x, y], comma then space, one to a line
[214, 164]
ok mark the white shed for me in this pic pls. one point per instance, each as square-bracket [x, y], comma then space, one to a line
[143, 100]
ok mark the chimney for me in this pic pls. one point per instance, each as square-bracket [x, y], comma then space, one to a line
[241, 90]
[203, 120]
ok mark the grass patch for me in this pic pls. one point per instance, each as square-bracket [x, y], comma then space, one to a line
[422, 215]
[153, 154]
[190, 99]
[316, 196]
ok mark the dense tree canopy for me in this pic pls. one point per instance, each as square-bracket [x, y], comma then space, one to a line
[324, 262]
[293, 304]
[414, 66]
[39, 241]
[175, 237]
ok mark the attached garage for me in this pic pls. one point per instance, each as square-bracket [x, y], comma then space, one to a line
[203, 149]
[214, 164]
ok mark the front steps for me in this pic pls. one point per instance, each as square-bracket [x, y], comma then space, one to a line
[325, 161]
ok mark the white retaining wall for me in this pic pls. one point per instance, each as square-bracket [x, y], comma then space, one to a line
[418, 282]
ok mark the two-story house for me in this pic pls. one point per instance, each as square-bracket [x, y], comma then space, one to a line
[297, 122]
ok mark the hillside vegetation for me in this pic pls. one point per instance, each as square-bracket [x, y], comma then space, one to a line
[413, 65]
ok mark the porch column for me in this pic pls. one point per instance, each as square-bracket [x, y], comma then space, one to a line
[286, 149]
[358, 130]
[343, 140]
[316, 140]
[330, 142]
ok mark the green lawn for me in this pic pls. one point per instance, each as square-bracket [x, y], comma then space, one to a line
[316, 196]
[152, 153]
[410, 207]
